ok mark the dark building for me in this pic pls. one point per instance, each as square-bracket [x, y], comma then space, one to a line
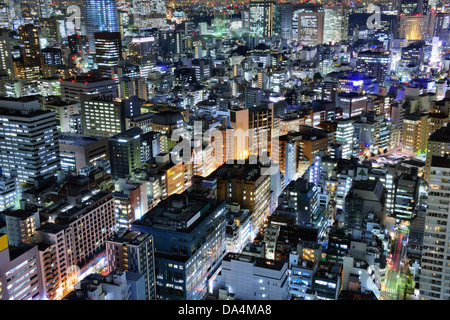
[125, 152]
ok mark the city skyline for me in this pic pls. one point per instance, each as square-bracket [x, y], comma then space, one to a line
[258, 150]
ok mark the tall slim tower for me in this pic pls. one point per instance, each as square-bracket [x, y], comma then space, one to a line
[434, 275]
[261, 17]
[100, 15]
[336, 24]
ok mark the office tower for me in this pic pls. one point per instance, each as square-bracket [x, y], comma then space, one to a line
[438, 145]
[20, 271]
[78, 44]
[345, 136]
[87, 219]
[246, 277]
[29, 38]
[104, 116]
[253, 97]
[406, 196]
[21, 224]
[30, 65]
[51, 275]
[407, 7]
[244, 184]
[8, 192]
[283, 15]
[167, 121]
[54, 243]
[416, 27]
[253, 132]
[99, 16]
[441, 27]
[131, 201]
[63, 110]
[311, 28]
[6, 57]
[285, 149]
[351, 103]
[415, 133]
[77, 151]
[375, 64]
[202, 69]
[125, 152]
[301, 196]
[73, 89]
[24, 123]
[336, 24]
[133, 251]
[149, 14]
[189, 238]
[433, 281]
[108, 51]
[436, 120]
[171, 41]
[50, 29]
[52, 56]
[261, 17]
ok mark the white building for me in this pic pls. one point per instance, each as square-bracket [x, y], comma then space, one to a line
[435, 273]
[252, 278]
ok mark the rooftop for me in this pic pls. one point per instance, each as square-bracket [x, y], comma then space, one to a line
[256, 261]
[181, 212]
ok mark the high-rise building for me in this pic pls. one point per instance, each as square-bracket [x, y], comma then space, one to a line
[63, 110]
[407, 7]
[171, 41]
[351, 103]
[406, 196]
[30, 66]
[77, 151]
[24, 123]
[99, 16]
[108, 51]
[302, 196]
[105, 116]
[261, 17]
[149, 14]
[20, 271]
[8, 192]
[244, 184]
[375, 64]
[434, 276]
[283, 15]
[438, 145]
[21, 224]
[442, 25]
[336, 24]
[311, 28]
[415, 133]
[125, 152]
[189, 239]
[73, 89]
[345, 136]
[88, 218]
[133, 251]
[6, 57]
[253, 131]
[416, 27]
